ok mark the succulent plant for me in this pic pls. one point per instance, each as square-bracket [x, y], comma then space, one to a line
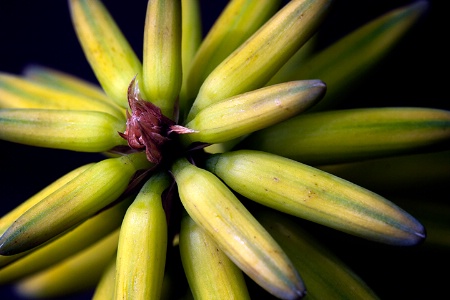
[217, 160]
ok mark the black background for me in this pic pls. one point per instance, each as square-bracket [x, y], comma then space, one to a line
[414, 73]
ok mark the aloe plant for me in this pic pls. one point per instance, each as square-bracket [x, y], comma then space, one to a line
[399, 143]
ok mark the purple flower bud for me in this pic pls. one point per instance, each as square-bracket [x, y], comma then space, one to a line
[147, 128]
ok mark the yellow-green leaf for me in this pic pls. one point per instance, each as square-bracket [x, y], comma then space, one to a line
[111, 57]
[162, 54]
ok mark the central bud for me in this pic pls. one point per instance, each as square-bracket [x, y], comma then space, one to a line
[147, 128]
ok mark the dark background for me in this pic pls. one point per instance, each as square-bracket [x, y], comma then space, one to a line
[414, 73]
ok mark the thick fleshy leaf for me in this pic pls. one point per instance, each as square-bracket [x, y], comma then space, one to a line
[86, 131]
[252, 111]
[106, 284]
[79, 272]
[325, 275]
[355, 134]
[191, 38]
[306, 192]
[141, 254]
[83, 236]
[251, 65]
[7, 219]
[56, 79]
[210, 272]
[17, 92]
[162, 54]
[237, 22]
[214, 207]
[345, 61]
[111, 57]
[76, 201]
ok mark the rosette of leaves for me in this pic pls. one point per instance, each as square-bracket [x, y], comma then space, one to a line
[159, 109]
